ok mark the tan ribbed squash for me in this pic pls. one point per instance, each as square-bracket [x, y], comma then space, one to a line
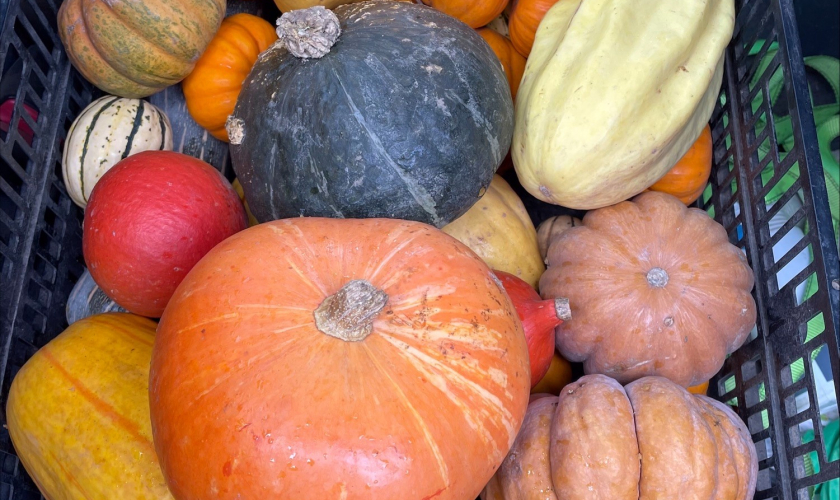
[614, 93]
[500, 231]
[78, 412]
[650, 440]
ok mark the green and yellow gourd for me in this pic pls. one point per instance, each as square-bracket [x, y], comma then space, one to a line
[108, 130]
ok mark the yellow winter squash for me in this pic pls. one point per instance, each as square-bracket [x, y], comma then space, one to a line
[500, 231]
[614, 94]
[78, 412]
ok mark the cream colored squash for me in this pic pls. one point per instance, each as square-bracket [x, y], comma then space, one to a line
[614, 93]
[108, 130]
[500, 231]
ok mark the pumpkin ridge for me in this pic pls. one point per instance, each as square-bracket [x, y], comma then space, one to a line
[148, 45]
[428, 366]
[417, 191]
[85, 147]
[418, 419]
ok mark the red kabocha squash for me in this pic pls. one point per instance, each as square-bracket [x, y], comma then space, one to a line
[475, 13]
[149, 219]
[314, 358]
[135, 49]
[688, 178]
[539, 319]
[512, 61]
[525, 18]
[213, 86]
[649, 440]
[656, 287]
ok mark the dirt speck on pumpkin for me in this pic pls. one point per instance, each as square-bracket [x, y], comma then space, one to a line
[432, 68]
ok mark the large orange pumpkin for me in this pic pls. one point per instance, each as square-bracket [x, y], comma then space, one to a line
[512, 61]
[656, 289]
[650, 440]
[475, 13]
[525, 18]
[213, 86]
[688, 178]
[137, 48]
[315, 358]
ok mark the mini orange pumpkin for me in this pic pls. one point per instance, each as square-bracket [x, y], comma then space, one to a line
[525, 18]
[688, 179]
[512, 61]
[475, 13]
[213, 86]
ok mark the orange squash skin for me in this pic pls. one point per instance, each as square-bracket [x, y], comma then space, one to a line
[512, 61]
[213, 86]
[525, 18]
[244, 383]
[134, 49]
[474, 13]
[688, 178]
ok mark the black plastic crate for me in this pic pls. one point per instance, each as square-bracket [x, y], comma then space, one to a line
[40, 227]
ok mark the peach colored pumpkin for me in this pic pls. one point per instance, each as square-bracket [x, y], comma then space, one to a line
[314, 358]
[656, 289]
[650, 440]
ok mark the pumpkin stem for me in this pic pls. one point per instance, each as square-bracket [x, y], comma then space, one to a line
[657, 277]
[348, 314]
[561, 306]
[309, 33]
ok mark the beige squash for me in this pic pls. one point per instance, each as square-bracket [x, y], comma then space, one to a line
[614, 94]
[500, 231]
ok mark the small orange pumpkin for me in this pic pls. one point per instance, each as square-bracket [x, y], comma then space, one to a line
[689, 177]
[525, 18]
[512, 61]
[475, 13]
[213, 86]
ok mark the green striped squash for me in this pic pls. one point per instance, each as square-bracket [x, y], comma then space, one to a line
[108, 130]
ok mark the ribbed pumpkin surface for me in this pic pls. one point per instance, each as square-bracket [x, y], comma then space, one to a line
[134, 49]
[244, 383]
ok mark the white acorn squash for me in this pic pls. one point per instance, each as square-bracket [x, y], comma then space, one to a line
[614, 93]
[108, 130]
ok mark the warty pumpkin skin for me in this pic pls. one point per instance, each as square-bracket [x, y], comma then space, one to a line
[245, 381]
[656, 289]
[584, 140]
[650, 440]
[688, 178]
[512, 61]
[475, 13]
[78, 412]
[213, 86]
[409, 119]
[134, 49]
[500, 231]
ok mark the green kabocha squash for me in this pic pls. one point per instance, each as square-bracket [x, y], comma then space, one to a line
[376, 109]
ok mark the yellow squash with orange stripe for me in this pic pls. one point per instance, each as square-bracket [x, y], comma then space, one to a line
[78, 412]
